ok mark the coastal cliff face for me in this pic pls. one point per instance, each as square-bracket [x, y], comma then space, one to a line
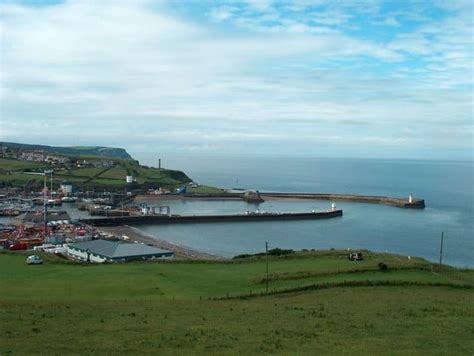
[100, 151]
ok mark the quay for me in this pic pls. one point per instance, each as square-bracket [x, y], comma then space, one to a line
[182, 219]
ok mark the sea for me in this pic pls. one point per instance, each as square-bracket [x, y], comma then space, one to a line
[446, 187]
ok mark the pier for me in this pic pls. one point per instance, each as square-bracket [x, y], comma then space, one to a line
[410, 203]
[406, 203]
[182, 219]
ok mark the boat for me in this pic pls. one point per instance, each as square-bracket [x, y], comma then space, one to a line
[54, 202]
[68, 199]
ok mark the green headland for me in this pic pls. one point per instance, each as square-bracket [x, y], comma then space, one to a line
[86, 167]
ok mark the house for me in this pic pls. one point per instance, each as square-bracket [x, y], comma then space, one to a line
[103, 250]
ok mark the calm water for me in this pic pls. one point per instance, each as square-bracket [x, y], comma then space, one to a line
[447, 188]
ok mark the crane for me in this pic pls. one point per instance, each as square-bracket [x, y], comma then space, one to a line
[45, 190]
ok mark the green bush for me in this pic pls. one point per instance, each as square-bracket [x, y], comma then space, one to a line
[382, 266]
[278, 252]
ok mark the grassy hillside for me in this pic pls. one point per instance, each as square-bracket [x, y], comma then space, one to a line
[319, 303]
[12, 172]
[115, 176]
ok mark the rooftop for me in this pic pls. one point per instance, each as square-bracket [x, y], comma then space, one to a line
[116, 250]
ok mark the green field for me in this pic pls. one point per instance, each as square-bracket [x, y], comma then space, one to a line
[13, 164]
[318, 302]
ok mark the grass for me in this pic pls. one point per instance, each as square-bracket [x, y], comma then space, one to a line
[11, 171]
[19, 179]
[115, 173]
[83, 173]
[13, 164]
[170, 307]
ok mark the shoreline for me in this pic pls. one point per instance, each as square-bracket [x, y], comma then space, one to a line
[181, 252]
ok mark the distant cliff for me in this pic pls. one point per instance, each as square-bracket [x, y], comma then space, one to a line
[86, 167]
[73, 150]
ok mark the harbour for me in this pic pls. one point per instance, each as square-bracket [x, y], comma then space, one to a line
[379, 216]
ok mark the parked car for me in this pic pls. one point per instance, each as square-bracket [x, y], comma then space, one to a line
[34, 260]
[355, 256]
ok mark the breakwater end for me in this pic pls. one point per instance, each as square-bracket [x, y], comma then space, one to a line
[182, 219]
[397, 202]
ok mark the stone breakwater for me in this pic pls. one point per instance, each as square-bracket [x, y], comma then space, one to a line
[374, 199]
[182, 219]
[406, 203]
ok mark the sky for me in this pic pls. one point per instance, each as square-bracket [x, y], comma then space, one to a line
[322, 78]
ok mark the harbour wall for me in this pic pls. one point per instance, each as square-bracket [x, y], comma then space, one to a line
[182, 219]
[373, 199]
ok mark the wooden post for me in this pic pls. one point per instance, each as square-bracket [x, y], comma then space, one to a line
[266, 253]
[441, 249]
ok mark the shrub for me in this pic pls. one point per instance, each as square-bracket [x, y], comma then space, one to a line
[272, 252]
[279, 252]
[382, 266]
[244, 255]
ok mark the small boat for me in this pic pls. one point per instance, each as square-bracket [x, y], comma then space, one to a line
[54, 202]
[68, 199]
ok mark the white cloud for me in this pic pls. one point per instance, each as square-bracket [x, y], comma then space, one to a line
[391, 21]
[260, 5]
[131, 72]
[222, 13]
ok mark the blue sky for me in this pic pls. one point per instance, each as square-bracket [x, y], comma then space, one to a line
[382, 79]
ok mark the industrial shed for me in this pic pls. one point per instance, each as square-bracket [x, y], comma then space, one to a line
[103, 250]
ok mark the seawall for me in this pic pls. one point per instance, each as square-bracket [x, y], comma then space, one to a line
[182, 219]
[373, 199]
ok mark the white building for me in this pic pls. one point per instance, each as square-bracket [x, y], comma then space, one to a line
[66, 187]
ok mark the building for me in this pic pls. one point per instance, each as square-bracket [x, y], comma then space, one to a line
[103, 250]
[66, 187]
